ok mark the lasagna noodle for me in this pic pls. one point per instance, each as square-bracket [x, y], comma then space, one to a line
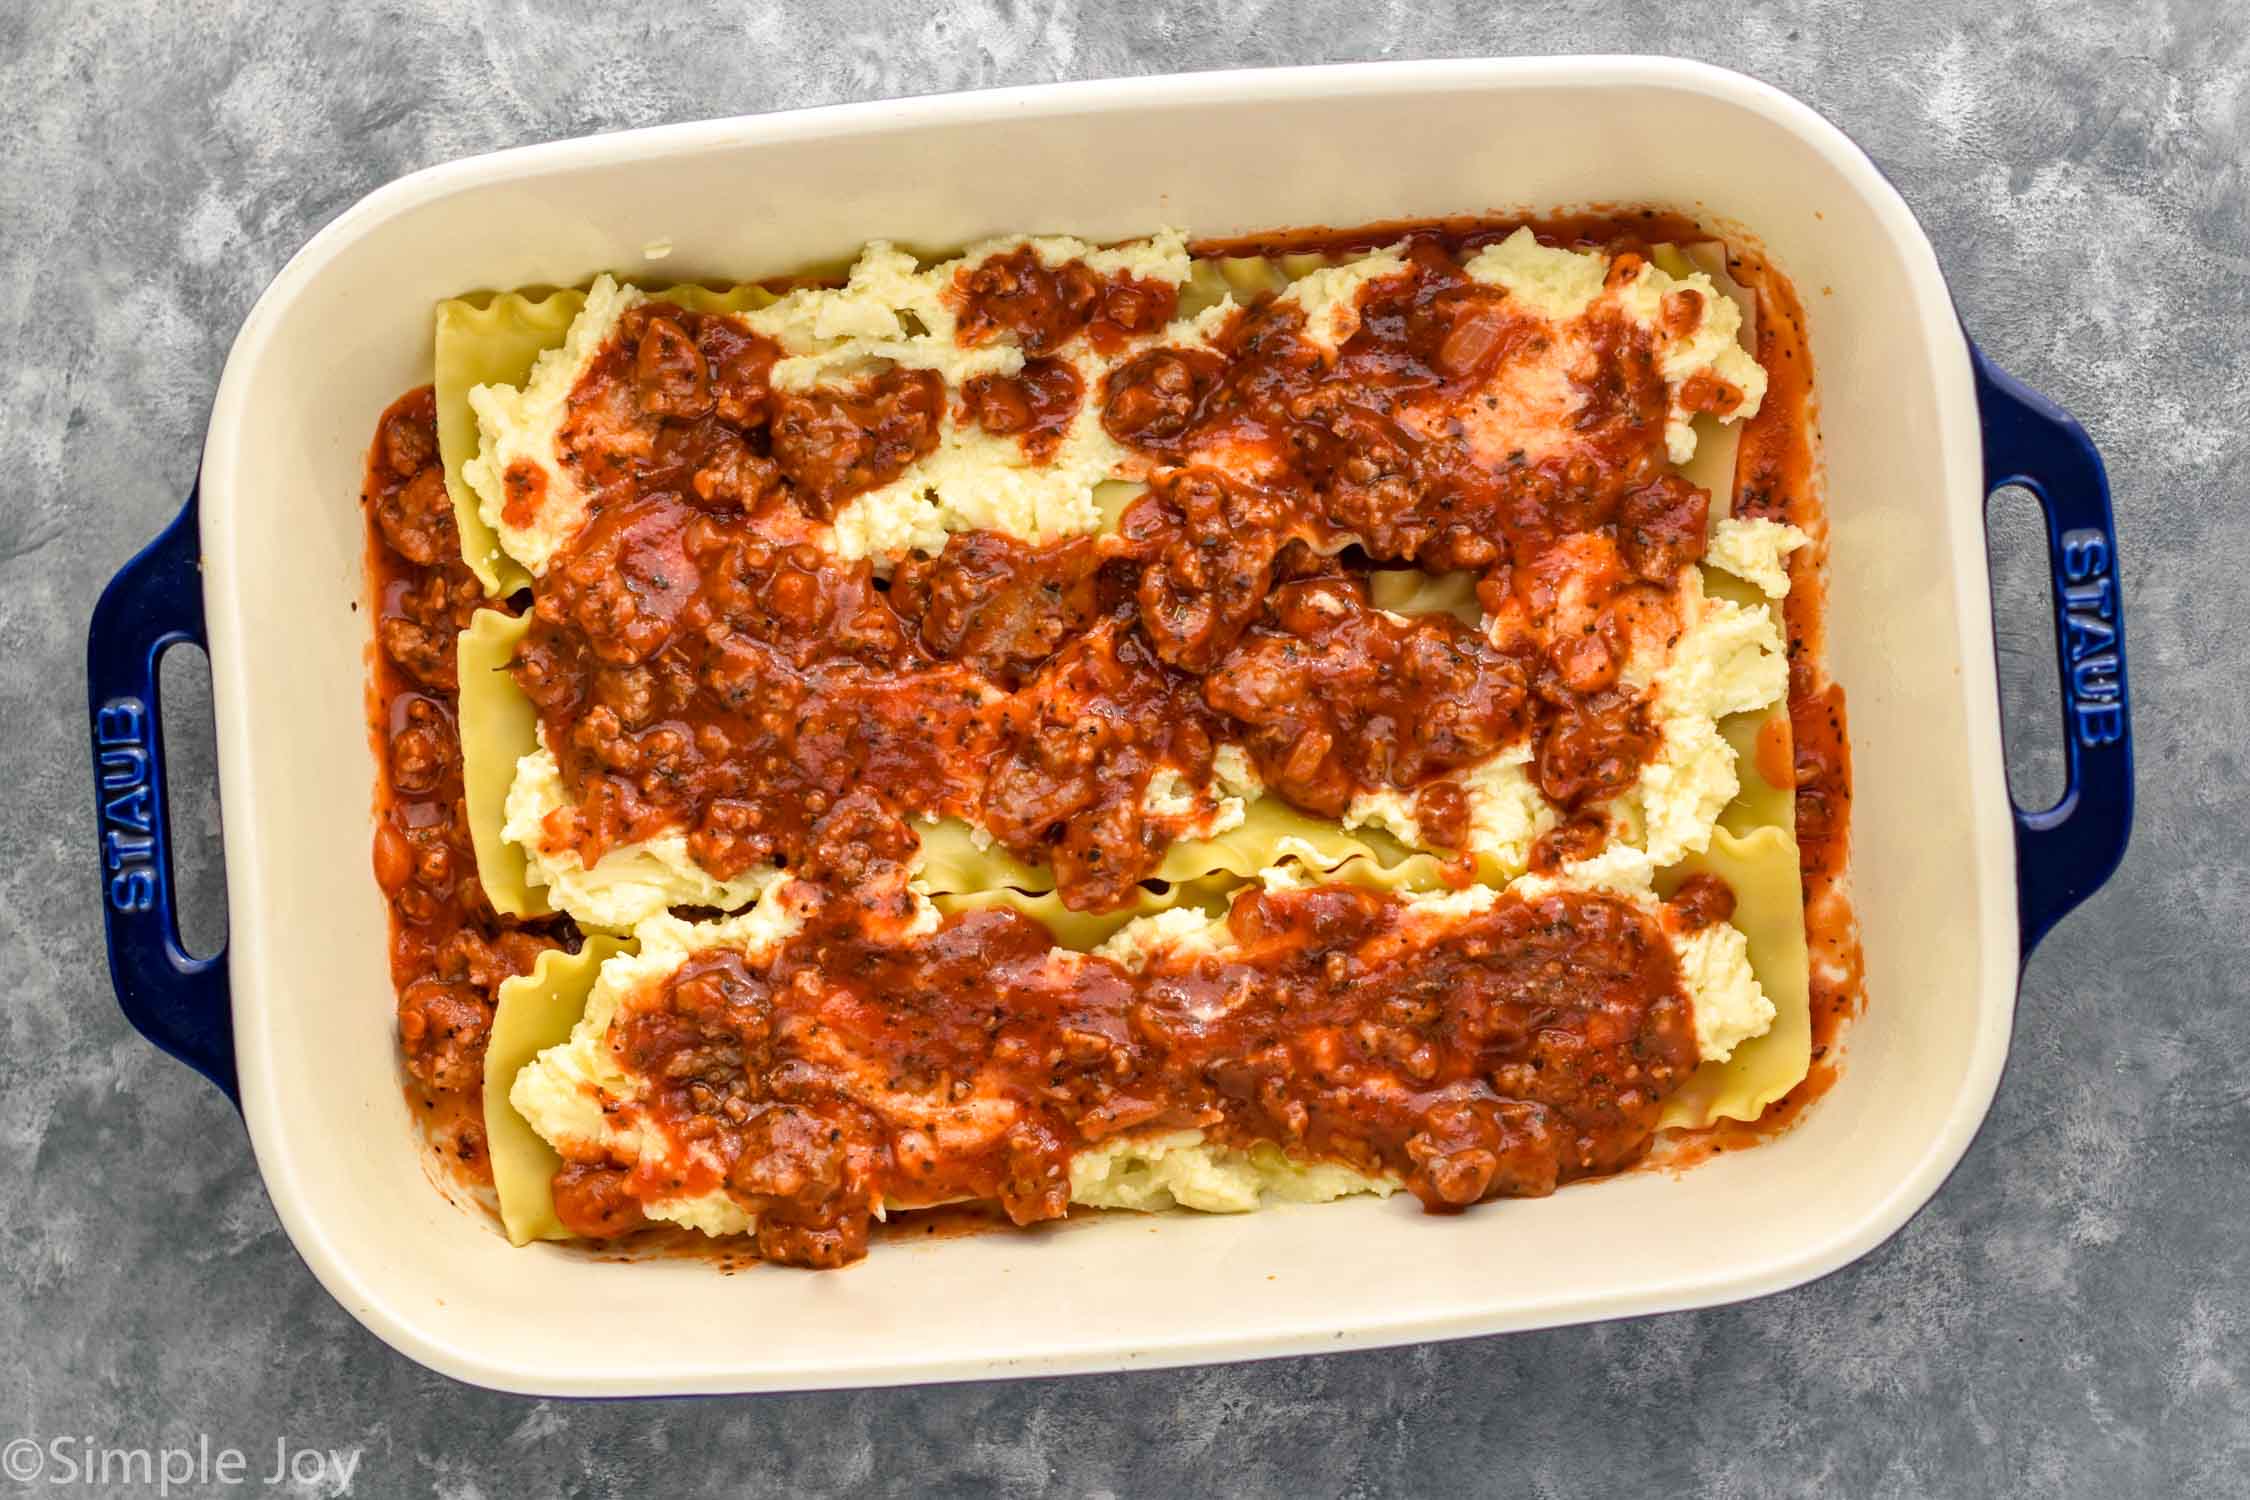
[1716, 441]
[954, 859]
[493, 339]
[1270, 832]
[536, 1011]
[1245, 278]
[497, 727]
[1754, 850]
[1761, 867]
[1087, 930]
[1409, 591]
[1759, 803]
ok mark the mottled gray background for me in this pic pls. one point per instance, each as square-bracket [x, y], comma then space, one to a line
[2067, 1317]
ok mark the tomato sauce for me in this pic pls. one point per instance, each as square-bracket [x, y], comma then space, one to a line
[449, 949]
[1777, 475]
[1604, 228]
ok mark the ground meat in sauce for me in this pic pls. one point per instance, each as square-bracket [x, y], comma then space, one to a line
[1035, 406]
[831, 445]
[998, 605]
[1081, 740]
[1044, 307]
[679, 664]
[596, 1202]
[1702, 901]
[1567, 843]
[1341, 698]
[1217, 544]
[1155, 398]
[449, 950]
[1592, 748]
[690, 661]
[1531, 1045]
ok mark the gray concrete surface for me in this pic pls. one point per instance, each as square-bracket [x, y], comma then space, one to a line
[2069, 1316]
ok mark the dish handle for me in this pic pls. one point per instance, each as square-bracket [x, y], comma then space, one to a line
[172, 997]
[2065, 852]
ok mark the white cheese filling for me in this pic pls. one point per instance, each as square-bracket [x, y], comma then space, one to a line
[1182, 929]
[519, 430]
[1566, 287]
[1181, 810]
[1180, 1169]
[1756, 551]
[1507, 812]
[1729, 659]
[979, 481]
[630, 883]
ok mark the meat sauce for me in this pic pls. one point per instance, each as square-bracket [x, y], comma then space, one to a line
[1035, 406]
[680, 666]
[1045, 306]
[695, 662]
[1598, 227]
[1530, 1044]
[449, 949]
[1367, 449]
[695, 669]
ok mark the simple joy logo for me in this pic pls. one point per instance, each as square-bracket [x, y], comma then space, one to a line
[201, 1467]
[2094, 682]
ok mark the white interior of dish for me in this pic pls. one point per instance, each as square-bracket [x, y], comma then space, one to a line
[346, 328]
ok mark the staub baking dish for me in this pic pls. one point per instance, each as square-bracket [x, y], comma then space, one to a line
[1953, 885]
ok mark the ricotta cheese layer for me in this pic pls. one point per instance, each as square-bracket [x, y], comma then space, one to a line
[1573, 288]
[891, 312]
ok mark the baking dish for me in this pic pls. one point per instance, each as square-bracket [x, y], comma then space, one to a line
[1954, 883]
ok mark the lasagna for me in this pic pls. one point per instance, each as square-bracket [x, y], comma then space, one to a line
[1157, 725]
